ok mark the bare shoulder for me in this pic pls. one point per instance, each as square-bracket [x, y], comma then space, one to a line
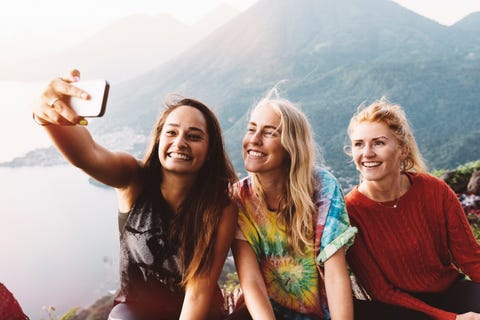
[129, 192]
[229, 213]
[228, 221]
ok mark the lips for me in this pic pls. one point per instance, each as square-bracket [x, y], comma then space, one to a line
[371, 164]
[178, 155]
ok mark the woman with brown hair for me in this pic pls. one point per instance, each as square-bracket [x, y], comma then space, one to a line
[175, 215]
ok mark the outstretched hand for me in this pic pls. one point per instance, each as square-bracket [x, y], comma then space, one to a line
[53, 104]
[468, 316]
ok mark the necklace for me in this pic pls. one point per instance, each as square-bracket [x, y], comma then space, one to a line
[390, 207]
[397, 199]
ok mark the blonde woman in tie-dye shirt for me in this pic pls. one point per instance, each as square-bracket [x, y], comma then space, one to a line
[293, 228]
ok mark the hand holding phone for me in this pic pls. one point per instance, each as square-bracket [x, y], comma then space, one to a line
[95, 106]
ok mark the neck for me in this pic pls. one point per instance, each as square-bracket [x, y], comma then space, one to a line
[388, 189]
[273, 187]
[175, 188]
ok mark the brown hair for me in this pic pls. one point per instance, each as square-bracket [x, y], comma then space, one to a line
[195, 224]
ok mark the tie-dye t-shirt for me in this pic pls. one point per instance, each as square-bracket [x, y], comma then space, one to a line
[293, 283]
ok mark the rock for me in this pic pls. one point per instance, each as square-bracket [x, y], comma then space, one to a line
[457, 181]
[474, 183]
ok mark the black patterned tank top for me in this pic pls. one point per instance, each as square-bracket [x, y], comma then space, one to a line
[149, 263]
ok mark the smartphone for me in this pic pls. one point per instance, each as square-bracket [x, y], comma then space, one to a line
[95, 106]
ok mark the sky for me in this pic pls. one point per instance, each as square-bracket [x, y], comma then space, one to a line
[445, 12]
[31, 23]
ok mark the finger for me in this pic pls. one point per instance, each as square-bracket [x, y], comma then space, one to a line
[73, 76]
[63, 88]
[59, 120]
[65, 112]
[50, 115]
[59, 113]
[75, 73]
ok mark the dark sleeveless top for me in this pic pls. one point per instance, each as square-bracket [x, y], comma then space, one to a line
[149, 265]
[150, 271]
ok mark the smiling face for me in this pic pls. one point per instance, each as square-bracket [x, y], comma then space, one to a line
[375, 151]
[183, 143]
[262, 148]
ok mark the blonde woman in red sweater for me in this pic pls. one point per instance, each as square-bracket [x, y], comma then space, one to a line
[413, 237]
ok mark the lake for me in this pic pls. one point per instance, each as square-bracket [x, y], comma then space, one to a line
[58, 238]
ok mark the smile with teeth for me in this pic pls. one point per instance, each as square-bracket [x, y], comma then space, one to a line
[181, 156]
[255, 154]
[371, 164]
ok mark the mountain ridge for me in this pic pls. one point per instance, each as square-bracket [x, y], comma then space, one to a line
[411, 59]
[334, 56]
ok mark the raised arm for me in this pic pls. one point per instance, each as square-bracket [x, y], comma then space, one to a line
[200, 294]
[70, 136]
[251, 281]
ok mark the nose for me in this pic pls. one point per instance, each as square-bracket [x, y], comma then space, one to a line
[255, 138]
[180, 141]
[368, 151]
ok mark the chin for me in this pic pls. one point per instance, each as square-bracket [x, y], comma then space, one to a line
[251, 168]
[369, 177]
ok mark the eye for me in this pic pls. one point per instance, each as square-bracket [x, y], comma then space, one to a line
[357, 144]
[170, 133]
[379, 143]
[251, 129]
[271, 133]
[195, 137]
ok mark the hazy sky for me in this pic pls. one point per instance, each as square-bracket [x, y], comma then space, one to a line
[443, 11]
[23, 21]
[29, 24]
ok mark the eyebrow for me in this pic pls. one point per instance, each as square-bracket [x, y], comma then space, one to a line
[376, 138]
[176, 125]
[266, 126]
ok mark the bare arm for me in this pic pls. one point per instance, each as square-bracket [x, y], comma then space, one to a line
[338, 287]
[251, 281]
[199, 295]
[74, 141]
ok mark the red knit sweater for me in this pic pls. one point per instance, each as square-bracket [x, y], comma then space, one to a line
[415, 247]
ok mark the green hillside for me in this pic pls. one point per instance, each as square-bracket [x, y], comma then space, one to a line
[334, 54]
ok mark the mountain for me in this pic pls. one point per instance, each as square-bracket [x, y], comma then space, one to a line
[126, 48]
[469, 23]
[334, 55]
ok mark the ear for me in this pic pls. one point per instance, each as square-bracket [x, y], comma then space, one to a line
[405, 151]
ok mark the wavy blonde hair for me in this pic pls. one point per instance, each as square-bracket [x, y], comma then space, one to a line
[394, 117]
[297, 207]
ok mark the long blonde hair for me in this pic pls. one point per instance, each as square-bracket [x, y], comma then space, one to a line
[297, 207]
[394, 117]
